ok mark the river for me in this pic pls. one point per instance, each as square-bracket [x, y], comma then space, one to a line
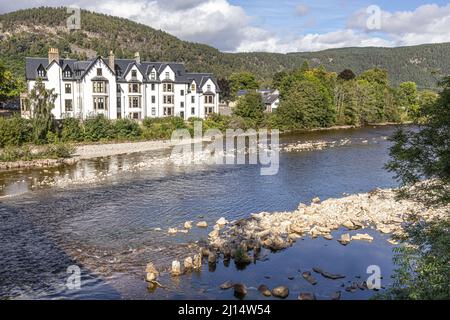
[106, 223]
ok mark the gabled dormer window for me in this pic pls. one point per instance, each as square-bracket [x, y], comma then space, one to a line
[41, 72]
[167, 75]
[99, 71]
[193, 87]
[118, 70]
[133, 73]
[67, 73]
[153, 75]
[208, 87]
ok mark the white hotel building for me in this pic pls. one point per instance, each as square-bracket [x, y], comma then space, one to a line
[122, 88]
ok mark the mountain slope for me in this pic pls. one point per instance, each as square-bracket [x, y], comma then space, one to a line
[30, 32]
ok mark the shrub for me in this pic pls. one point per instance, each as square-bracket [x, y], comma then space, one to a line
[98, 128]
[14, 131]
[127, 129]
[72, 130]
[11, 153]
[57, 151]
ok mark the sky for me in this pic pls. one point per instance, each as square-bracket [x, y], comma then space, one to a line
[279, 25]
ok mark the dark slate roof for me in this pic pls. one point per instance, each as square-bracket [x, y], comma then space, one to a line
[79, 68]
[268, 96]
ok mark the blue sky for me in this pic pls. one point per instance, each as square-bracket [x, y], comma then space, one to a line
[323, 15]
[277, 26]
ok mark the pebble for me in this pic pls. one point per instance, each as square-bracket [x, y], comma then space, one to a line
[280, 292]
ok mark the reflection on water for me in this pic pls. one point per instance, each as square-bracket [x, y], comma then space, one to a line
[107, 224]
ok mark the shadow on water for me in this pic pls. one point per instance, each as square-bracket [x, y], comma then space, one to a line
[35, 266]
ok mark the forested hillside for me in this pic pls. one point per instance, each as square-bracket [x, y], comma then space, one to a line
[30, 32]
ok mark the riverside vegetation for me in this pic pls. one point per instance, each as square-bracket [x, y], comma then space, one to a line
[310, 98]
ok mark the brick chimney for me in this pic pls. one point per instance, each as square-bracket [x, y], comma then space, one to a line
[137, 57]
[111, 60]
[53, 54]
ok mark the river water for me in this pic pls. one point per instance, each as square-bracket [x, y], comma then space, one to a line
[101, 215]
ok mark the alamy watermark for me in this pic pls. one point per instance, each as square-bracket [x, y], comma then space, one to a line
[73, 281]
[374, 17]
[236, 146]
[73, 22]
[374, 280]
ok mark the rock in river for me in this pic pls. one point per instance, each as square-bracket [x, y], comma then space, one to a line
[264, 290]
[280, 292]
[240, 290]
[306, 296]
[188, 263]
[226, 285]
[344, 239]
[328, 274]
[202, 224]
[176, 268]
[308, 277]
[188, 225]
[362, 236]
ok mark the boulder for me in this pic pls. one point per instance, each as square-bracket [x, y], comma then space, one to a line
[362, 236]
[213, 234]
[188, 225]
[226, 285]
[221, 222]
[202, 224]
[240, 290]
[336, 295]
[172, 231]
[188, 263]
[316, 200]
[197, 262]
[348, 224]
[212, 258]
[264, 290]
[306, 296]
[280, 292]
[344, 239]
[176, 268]
[308, 277]
[328, 275]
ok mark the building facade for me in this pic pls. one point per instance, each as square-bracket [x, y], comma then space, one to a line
[122, 88]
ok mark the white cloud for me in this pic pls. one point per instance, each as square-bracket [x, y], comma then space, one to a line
[426, 24]
[229, 28]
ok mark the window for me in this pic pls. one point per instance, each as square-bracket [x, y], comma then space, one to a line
[168, 99]
[209, 99]
[99, 103]
[153, 76]
[118, 88]
[135, 102]
[68, 88]
[153, 87]
[99, 87]
[208, 87]
[41, 72]
[136, 115]
[167, 75]
[182, 92]
[119, 103]
[192, 110]
[153, 99]
[209, 110]
[99, 71]
[68, 105]
[167, 87]
[181, 104]
[193, 99]
[134, 88]
[168, 111]
[193, 87]
[133, 73]
[118, 70]
[67, 73]
[153, 111]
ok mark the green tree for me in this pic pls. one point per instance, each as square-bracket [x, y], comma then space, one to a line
[347, 75]
[10, 87]
[250, 106]
[242, 81]
[308, 104]
[41, 102]
[421, 161]
[408, 100]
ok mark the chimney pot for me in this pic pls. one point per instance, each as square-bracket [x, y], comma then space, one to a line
[111, 60]
[137, 57]
[53, 54]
